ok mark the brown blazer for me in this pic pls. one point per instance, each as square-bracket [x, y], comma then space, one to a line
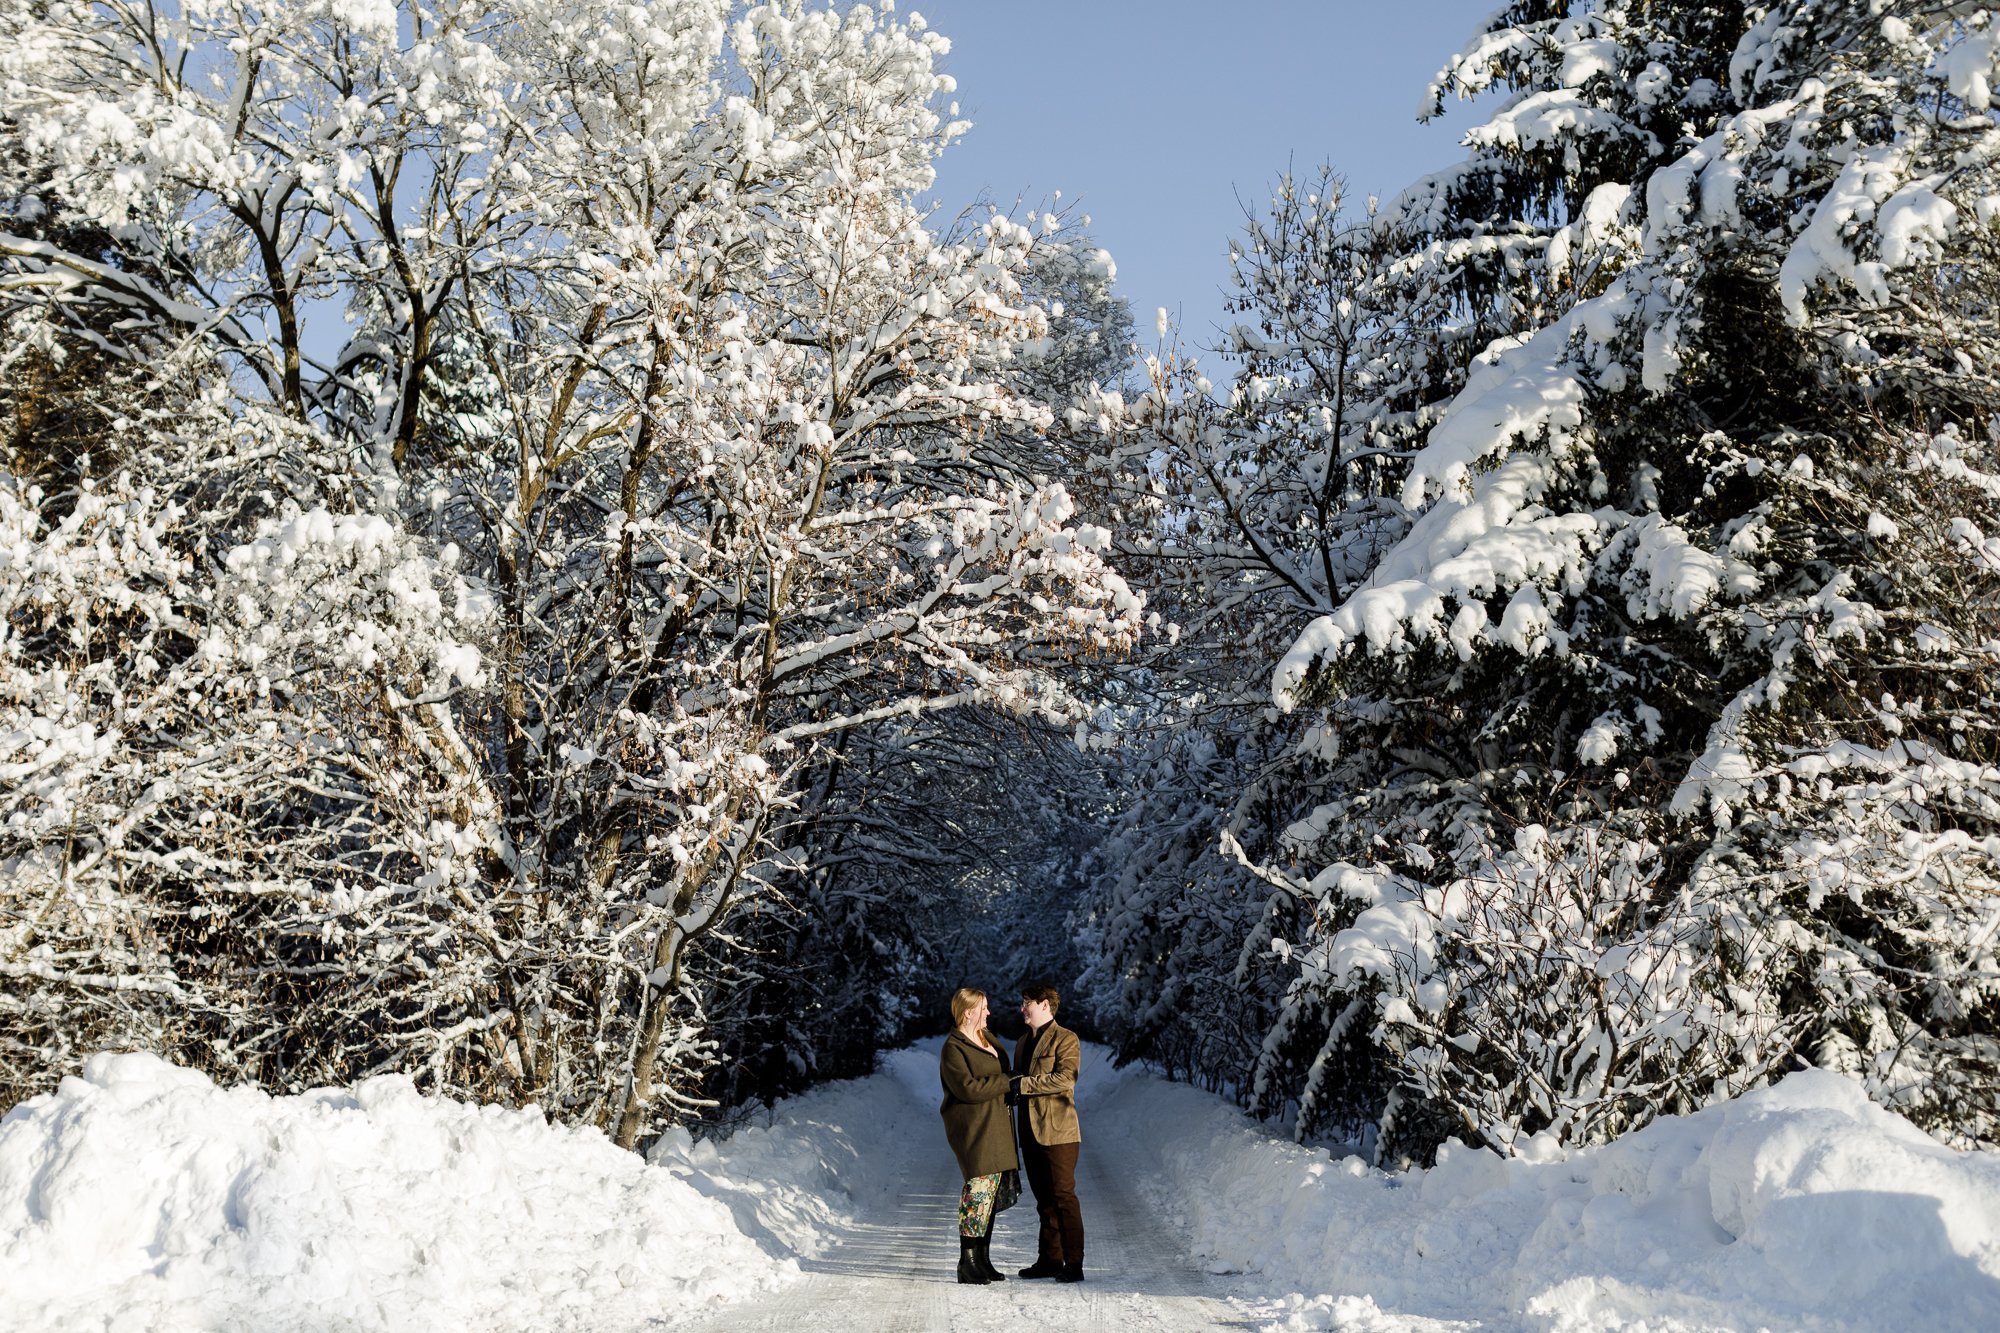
[975, 1106]
[1048, 1086]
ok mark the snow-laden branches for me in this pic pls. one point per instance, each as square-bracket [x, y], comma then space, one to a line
[628, 436]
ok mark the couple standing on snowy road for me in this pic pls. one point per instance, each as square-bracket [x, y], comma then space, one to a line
[980, 1084]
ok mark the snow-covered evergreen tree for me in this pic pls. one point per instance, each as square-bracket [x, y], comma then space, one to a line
[1642, 752]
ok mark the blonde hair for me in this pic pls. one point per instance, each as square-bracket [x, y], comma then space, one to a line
[963, 1001]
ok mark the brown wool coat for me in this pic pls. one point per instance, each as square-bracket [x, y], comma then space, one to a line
[976, 1122]
[1048, 1086]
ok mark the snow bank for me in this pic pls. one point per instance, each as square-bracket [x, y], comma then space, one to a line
[1801, 1206]
[819, 1160]
[140, 1195]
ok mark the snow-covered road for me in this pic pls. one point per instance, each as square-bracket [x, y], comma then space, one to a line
[142, 1196]
[891, 1267]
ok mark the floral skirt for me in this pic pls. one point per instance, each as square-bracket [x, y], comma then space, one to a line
[982, 1197]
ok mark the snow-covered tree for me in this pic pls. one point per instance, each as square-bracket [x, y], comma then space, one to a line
[1642, 751]
[1655, 515]
[1091, 338]
[631, 320]
[219, 809]
[1251, 517]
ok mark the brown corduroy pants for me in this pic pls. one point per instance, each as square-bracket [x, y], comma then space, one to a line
[1051, 1171]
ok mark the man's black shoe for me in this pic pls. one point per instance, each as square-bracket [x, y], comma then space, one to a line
[1043, 1268]
[1070, 1273]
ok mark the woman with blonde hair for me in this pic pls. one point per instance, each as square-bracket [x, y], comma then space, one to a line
[974, 1070]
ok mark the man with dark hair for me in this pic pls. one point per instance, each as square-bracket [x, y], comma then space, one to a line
[1045, 1093]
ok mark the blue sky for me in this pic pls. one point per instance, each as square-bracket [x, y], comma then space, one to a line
[1156, 116]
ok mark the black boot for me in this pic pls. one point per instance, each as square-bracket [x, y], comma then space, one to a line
[968, 1262]
[1071, 1273]
[983, 1256]
[1042, 1268]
